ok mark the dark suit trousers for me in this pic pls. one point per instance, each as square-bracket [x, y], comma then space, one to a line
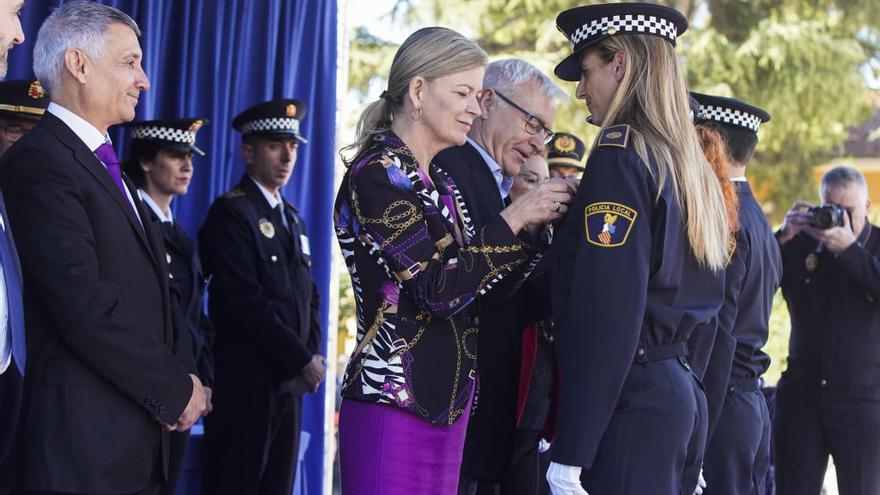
[176, 456]
[251, 443]
[738, 455]
[10, 406]
[807, 427]
[521, 478]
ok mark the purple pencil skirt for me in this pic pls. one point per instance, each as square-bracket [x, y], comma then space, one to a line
[384, 450]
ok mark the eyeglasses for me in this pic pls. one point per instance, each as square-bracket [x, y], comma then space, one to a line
[534, 124]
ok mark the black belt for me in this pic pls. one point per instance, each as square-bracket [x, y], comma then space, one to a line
[744, 384]
[648, 353]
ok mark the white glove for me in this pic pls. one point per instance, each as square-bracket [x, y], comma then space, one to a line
[565, 480]
[701, 484]
[543, 446]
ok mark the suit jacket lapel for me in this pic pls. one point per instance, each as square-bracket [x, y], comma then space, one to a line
[90, 162]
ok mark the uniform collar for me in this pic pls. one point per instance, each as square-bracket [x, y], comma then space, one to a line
[155, 207]
[273, 200]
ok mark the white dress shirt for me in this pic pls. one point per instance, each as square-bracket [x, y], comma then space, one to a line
[155, 207]
[5, 333]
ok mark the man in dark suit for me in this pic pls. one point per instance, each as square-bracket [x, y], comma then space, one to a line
[518, 104]
[265, 309]
[828, 399]
[103, 387]
[12, 343]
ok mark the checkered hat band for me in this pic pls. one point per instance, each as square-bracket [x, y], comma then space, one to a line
[728, 116]
[165, 134]
[629, 23]
[279, 124]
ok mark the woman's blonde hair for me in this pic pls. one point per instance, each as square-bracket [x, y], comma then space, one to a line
[652, 98]
[431, 53]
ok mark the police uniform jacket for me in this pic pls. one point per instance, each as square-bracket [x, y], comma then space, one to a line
[834, 303]
[751, 280]
[417, 261]
[263, 302]
[629, 288]
[187, 285]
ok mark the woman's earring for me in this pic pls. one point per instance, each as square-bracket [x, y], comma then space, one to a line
[416, 114]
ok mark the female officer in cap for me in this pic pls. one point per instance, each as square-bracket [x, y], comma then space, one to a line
[160, 164]
[639, 263]
[416, 261]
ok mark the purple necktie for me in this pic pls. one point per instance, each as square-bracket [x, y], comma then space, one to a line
[108, 157]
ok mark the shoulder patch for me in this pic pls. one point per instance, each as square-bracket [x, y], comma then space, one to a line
[232, 193]
[617, 136]
[608, 224]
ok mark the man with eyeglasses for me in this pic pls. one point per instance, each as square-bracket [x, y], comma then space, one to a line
[22, 103]
[517, 105]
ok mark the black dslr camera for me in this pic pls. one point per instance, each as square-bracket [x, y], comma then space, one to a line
[826, 216]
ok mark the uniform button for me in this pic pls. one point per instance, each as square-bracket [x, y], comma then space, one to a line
[807, 281]
[824, 382]
[640, 352]
[274, 258]
[730, 388]
[170, 275]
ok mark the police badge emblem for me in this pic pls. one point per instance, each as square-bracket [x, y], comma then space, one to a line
[36, 91]
[811, 262]
[266, 228]
[608, 224]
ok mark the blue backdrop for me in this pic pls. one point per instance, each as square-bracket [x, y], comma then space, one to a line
[214, 58]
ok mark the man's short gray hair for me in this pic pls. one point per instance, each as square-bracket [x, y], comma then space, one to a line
[843, 176]
[506, 73]
[78, 24]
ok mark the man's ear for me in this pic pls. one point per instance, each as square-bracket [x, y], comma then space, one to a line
[76, 63]
[488, 102]
[247, 152]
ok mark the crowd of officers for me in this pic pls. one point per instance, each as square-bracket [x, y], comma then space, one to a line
[259, 345]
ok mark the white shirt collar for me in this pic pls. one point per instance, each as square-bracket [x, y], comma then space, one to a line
[155, 207]
[88, 133]
[274, 200]
[738, 179]
[501, 181]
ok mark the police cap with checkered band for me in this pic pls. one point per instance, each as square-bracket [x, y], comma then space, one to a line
[730, 111]
[275, 119]
[584, 26]
[23, 99]
[172, 134]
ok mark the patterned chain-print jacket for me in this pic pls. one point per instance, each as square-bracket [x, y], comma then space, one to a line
[415, 265]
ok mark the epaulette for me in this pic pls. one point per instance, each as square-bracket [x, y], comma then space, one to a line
[232, 193]
[617, 136]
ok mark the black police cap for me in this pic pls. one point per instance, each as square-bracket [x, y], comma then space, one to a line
[730, 111]
[23, 99]
[276, 118]
[565, 150]
[172, 134]
[584, 26]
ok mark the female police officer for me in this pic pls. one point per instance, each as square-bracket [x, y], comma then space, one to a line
[638, 262]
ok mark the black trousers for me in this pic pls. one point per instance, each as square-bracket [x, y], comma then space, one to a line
[810, 424]
[176, 456]
[523, 477]
[656, 437]
[251, 443]
[738, 455]
[151, 489]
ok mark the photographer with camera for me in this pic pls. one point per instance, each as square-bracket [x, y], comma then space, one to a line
[828, 400]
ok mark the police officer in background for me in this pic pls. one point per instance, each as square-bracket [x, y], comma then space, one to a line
[828, 399]
[160, 164]
[22, 103]
[264, 306]
[565, 155]
[738, 444]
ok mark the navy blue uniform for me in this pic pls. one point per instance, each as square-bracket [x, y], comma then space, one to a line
[738, 450]
[264, 307]
[629, 293]
[828, 400]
